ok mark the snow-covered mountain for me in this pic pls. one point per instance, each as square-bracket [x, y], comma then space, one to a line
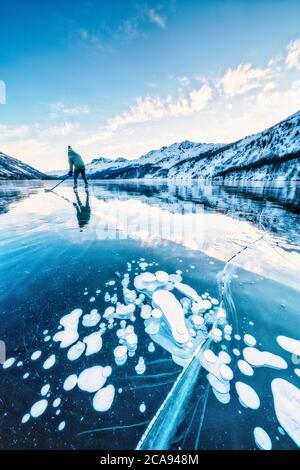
[11, 168]
[269, 155]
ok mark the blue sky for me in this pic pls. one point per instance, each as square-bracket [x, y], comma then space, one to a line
[118, 78]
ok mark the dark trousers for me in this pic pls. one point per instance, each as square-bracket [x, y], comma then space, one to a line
[76, 174]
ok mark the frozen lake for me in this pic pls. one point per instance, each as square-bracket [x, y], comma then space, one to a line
[149, 315]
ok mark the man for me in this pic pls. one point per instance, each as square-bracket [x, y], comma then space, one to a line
[76, 161]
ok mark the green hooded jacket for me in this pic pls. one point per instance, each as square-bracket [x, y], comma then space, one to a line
[75, 160]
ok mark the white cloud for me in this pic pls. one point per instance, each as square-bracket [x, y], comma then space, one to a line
[59, 108]
[184, 81]
[66, 128]
[152, 108]
[155, 18]
[293, 55]
[7, 132]
[243, 79]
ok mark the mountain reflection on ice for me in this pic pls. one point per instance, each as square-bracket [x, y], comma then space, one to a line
[150, 315]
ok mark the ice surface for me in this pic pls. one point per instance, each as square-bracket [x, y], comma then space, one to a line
[38, 408]
[91, 379]
[286, 398]
[289, 344]
[69, 334]
[262, 439]
[103, 399]
[49, 362]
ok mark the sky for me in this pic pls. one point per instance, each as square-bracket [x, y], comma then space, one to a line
[118, 78]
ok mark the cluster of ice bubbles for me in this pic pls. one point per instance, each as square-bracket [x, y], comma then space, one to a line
[179, 320]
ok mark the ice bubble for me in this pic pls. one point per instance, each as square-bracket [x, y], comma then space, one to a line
[224, 356]
[106, 372]
[47, 338]
[148, 277]
[227, 337]
[35, 355]
[142, 407]
[92, 319]
[245, 367]
[140, 368]
[236, 352]
[103, 399]
[93, 343]
[69, 334]
[26, 375]
[289, 344]
[221, 316]
[297, 372]
[75, 351]
[198, 321]
[70, 382]
[152, 326]
[45, 332]
[216, 334]
[249, 340]
[156, 313]
[111, 283]
[228, 329]
[107, 297]
[19, 364]
[223, 398]
[131, 340]
[262, 439]
[263, 358]
[226, 372]
[61, 425]
[91, 379]
[56, 402]
[125, 311]
[220, 386]
[247, 395]
[45, 389]
[8, 363]
[49, 362]
[151, 347]
[120, 353]
[209, 356]
[162, 277]
[173, 312]
[98, 291]
[108, 312]
[146, 311]
[175, 278]
[25, 418]
[214, 301]
[38, 408]
[287, 407]
[92, 299]
[237, 337]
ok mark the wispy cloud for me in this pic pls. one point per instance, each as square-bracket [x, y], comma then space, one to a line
[156, 18]
[18, 132]
[243, 79]
[293, 55]
[59, 108]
